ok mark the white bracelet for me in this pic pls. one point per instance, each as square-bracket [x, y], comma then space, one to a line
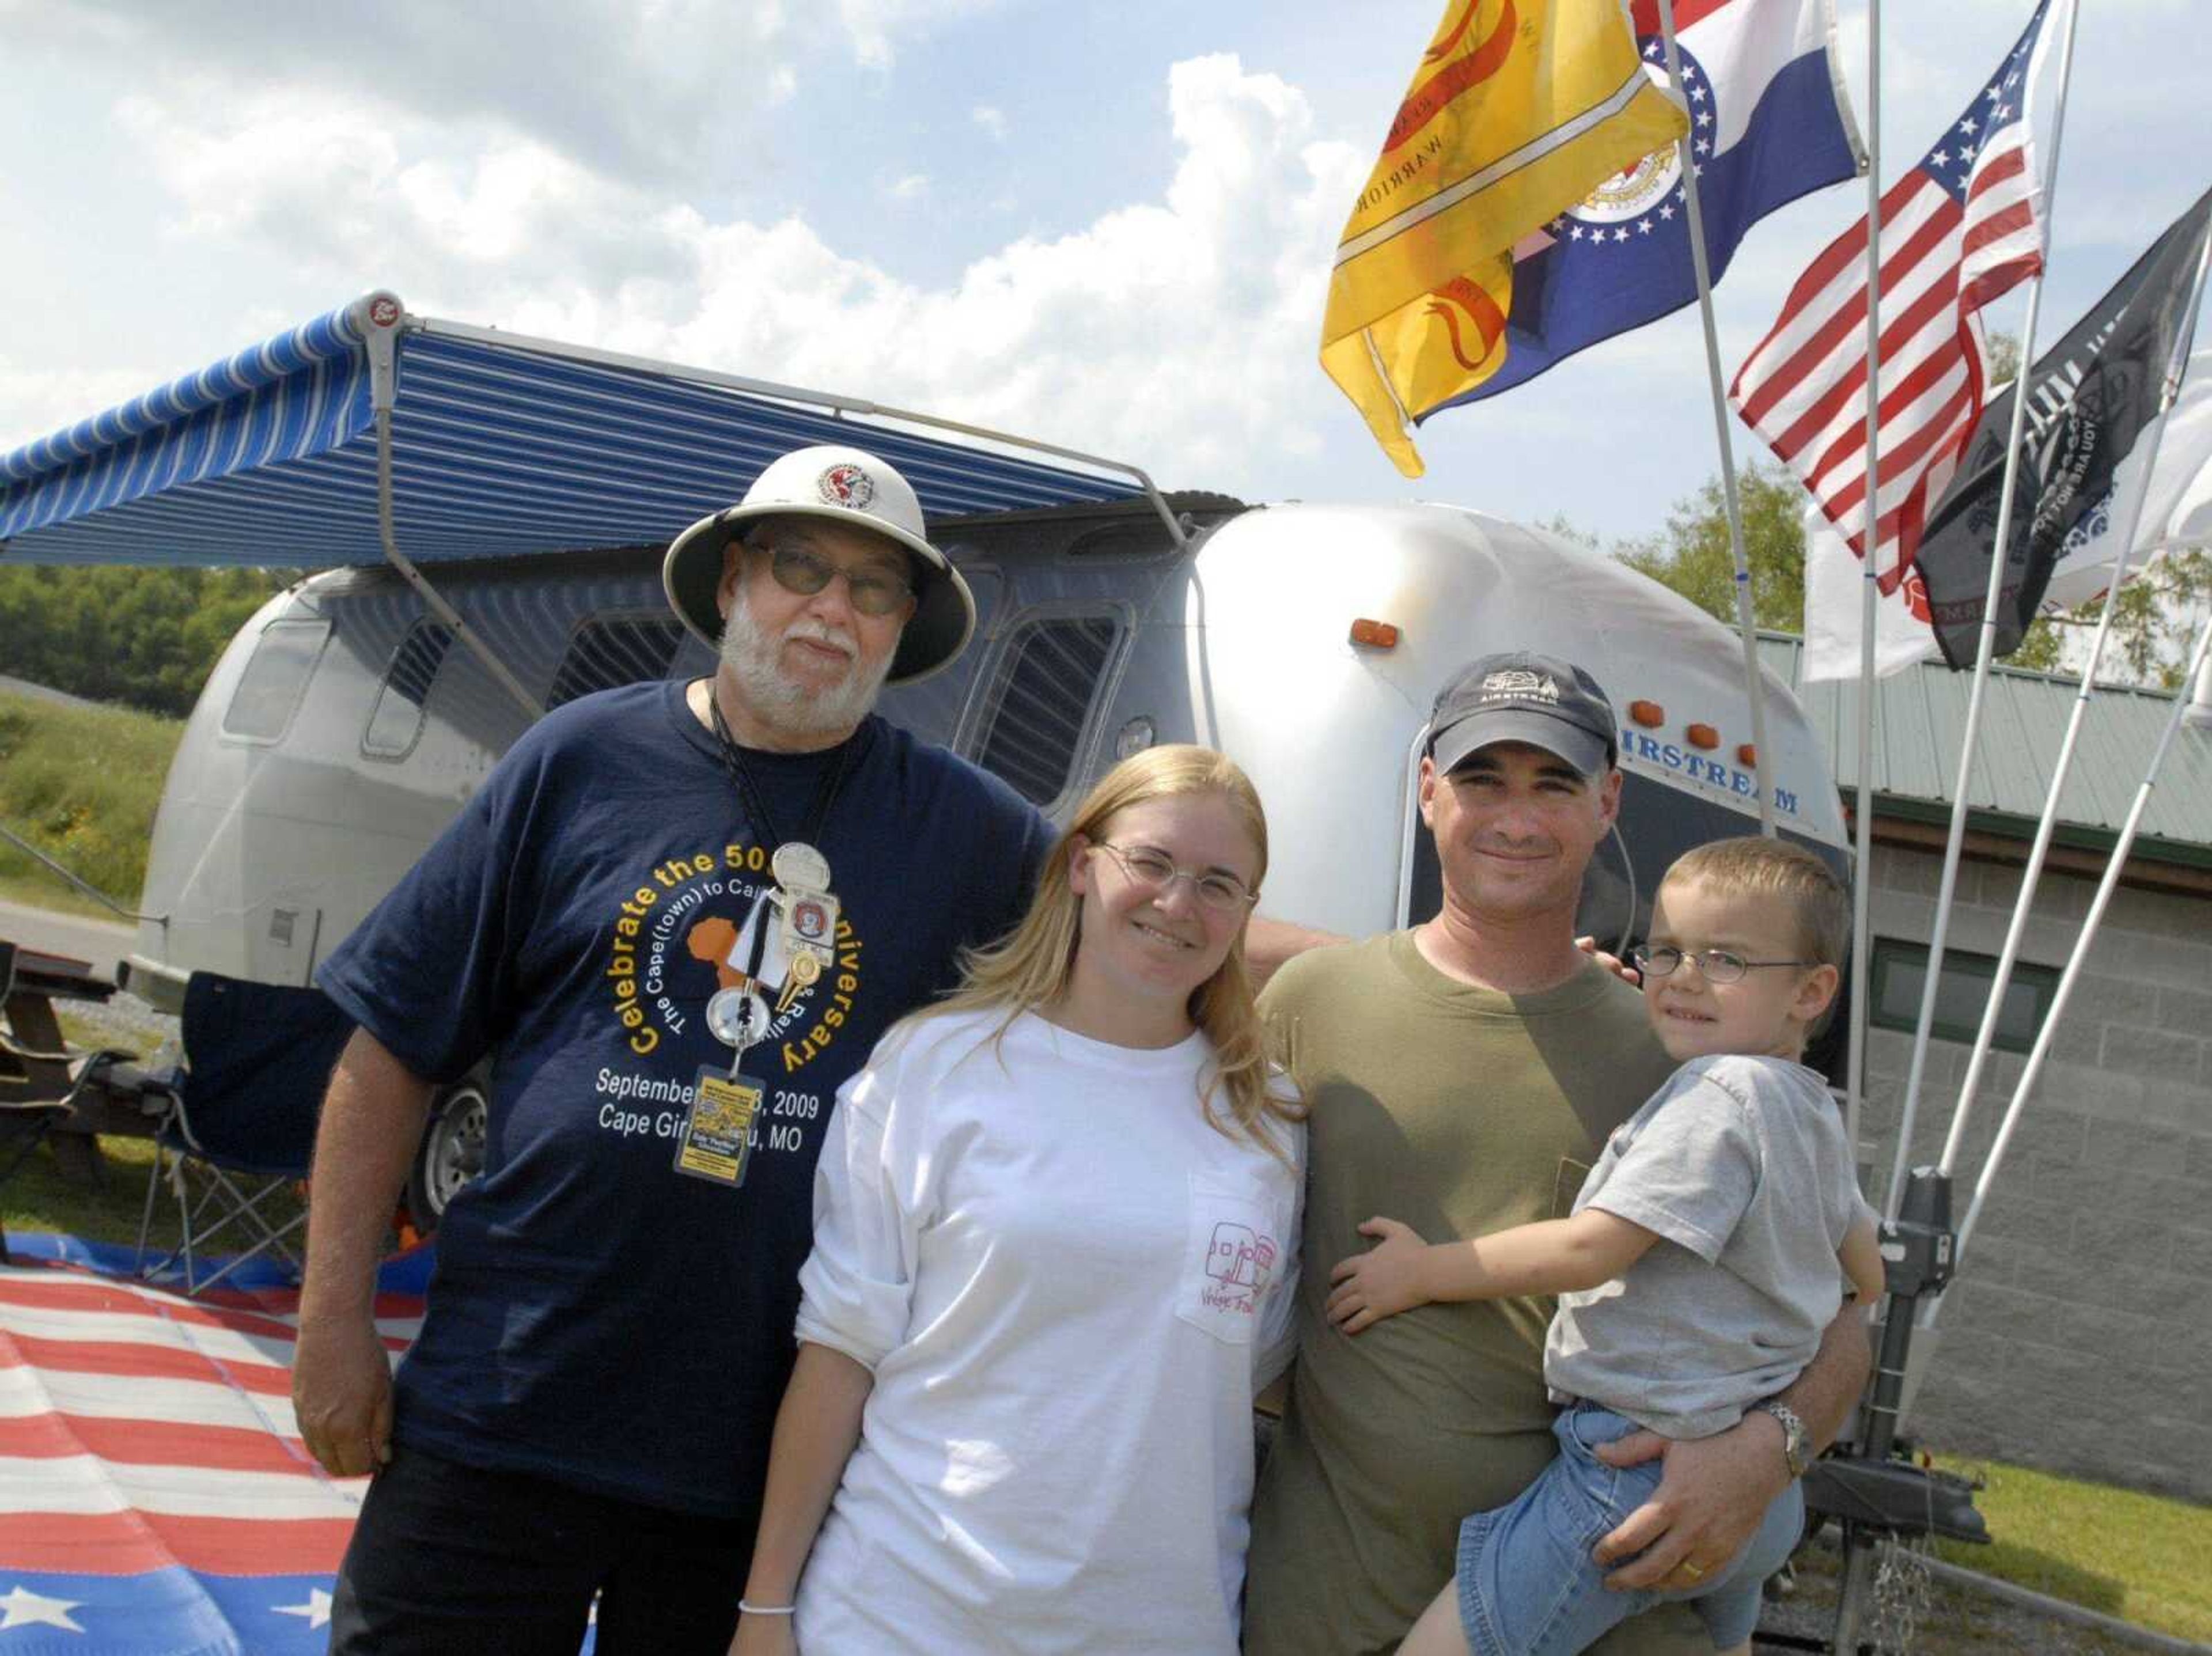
[745, 1606]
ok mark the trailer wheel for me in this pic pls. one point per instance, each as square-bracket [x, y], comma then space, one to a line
[450, 1155]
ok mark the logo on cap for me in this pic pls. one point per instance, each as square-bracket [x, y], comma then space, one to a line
[847, 485]
[1519, 684]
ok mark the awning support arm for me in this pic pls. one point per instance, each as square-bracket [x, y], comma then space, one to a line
[379, 320]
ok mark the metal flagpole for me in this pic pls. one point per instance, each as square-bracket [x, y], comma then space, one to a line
[1984, 654]
[2080, 956]
[1753, 686]
[1862, 868]
[2044, 829]
[1852, 1592]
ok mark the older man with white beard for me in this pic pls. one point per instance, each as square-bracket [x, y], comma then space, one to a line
[675, 918]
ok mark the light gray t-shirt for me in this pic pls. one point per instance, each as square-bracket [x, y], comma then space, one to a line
[1740, 1166]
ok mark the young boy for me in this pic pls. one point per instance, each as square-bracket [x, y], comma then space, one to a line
[1696, 1274]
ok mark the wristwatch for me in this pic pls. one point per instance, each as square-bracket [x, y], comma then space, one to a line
[1797, 1442]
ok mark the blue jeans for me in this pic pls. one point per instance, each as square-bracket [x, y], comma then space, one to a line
[1527, 1586]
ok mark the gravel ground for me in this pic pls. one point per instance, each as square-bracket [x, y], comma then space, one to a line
[122, 1020]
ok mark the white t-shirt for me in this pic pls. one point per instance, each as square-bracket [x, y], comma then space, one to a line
[1069, 1286]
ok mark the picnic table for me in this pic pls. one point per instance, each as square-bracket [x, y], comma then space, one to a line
[46, 1088]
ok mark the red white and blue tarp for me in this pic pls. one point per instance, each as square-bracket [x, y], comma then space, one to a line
[154, 1497]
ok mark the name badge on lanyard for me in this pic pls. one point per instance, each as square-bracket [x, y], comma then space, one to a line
[716, 1140]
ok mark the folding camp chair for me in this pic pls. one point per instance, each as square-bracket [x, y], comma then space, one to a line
[242, 1129]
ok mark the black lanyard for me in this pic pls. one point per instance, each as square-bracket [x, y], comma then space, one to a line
[756, 807]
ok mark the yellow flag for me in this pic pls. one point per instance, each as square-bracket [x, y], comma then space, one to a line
[1519, 108]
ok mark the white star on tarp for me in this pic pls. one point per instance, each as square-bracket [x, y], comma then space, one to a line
[317, 1610]
[21, 1608]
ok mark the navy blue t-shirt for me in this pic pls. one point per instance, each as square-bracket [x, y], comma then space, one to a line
[595, 1316]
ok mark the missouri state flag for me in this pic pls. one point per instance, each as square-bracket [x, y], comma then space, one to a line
[1519, 109]
[1768, 123]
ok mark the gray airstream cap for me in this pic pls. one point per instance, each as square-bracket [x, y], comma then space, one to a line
[1522, 697]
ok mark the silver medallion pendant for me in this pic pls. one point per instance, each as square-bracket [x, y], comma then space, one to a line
[738, 1018]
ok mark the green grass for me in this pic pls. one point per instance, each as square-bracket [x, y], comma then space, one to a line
[50, 1192]
[2140, 1558]
[82, 786]
[42, 889]
[44, 1195]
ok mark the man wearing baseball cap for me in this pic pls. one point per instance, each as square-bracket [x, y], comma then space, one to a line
[1464, 1075]
[676, 916]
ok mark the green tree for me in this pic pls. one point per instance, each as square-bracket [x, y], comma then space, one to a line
[144, 637]
[1693, 555]
[2152, 630]
[2156, 622]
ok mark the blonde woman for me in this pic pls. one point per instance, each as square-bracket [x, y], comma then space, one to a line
[1056, 1233]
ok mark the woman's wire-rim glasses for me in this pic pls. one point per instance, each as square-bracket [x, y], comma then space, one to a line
[1150, 869]
[1715, 965]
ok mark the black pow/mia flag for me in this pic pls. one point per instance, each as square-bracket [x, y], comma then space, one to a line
[2089, 397]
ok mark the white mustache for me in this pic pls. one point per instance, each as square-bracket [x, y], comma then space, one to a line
[815, 630]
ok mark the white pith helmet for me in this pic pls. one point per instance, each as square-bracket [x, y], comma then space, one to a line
[847, 485]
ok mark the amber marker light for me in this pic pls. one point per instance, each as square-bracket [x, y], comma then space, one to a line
[1649, 714]
[1746, 755]
[1376, 635]
[1703, 736]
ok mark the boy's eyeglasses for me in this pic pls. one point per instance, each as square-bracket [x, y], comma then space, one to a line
[1716, 965]
[1152, 870]
[874, 592]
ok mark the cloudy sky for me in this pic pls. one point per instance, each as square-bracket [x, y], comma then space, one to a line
[1108, 226]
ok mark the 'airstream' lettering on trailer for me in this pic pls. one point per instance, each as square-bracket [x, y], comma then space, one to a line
[1698, 768]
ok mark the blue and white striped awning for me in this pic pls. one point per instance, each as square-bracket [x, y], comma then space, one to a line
[500, 445]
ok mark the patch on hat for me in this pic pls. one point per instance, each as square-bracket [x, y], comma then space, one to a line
[1519, 684]
[847, 485]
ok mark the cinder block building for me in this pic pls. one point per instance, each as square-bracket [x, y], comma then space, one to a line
[2078, 1334]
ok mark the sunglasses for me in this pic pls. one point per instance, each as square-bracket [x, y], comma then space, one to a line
[873, 592]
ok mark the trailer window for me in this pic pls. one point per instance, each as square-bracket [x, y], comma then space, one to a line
[1040, 705]
[1900, 978]
[275, 678]
[395, 723]
[614, 650]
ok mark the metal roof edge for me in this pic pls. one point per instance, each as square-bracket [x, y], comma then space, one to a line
[2010, 825]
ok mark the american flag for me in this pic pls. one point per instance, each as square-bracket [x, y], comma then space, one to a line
[1960, 229]
[154, 1497]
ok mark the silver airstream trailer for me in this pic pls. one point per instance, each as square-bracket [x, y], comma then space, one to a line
[347, 722]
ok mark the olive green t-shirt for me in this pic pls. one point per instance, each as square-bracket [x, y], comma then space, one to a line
[1459, 1111]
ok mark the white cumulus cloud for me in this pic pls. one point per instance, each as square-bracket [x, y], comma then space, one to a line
[1176, 331]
